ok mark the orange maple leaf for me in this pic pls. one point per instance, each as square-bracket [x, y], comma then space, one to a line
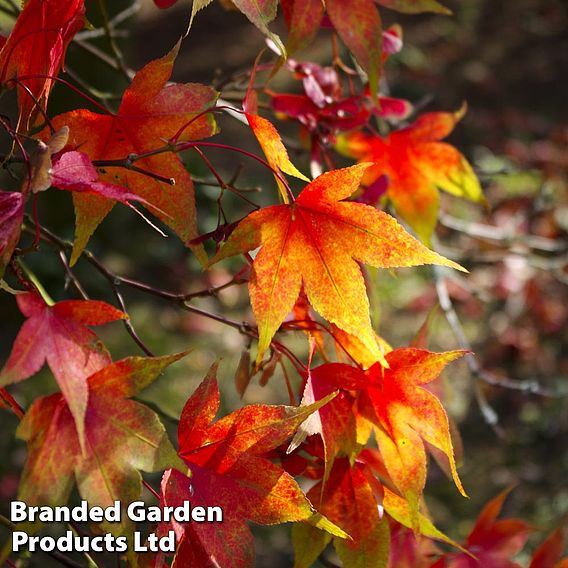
[268, 138]
[417, 165]
[318, 240]
[405, 414]
[149, 112]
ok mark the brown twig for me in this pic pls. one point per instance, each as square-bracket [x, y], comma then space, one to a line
[182, 300]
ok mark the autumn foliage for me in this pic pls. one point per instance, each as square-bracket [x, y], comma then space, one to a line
[346, 461]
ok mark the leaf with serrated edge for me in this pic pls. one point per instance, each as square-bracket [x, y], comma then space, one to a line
[58, 335]
[319, 240]
[228, 469]
[150, 111]
[121, 437]
[417, 165]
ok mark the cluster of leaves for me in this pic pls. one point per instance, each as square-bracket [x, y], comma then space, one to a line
[367, 420]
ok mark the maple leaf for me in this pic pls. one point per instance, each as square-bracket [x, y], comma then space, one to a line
[121, 437]
[323, 110]
[549, 553]
[268, 138]
[35, 50]
[318, 240]
[58, 334]
[74, 171]
[348, 499]
[11, 217]
[358, 23]
[149, 111]
[303, 19]
[227, 469]
[491, 542]
[405, 413]
[416, 164]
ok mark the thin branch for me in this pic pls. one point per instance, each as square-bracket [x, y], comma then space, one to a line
[99, 54]
[502, 234]
[180, 299]
[113, 23]
[111, 40]
[71, 276]
[447, 306]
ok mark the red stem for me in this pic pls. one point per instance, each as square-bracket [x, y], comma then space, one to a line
[70, 86]
[188, 145]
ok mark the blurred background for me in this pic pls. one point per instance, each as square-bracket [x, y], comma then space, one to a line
[509, 61]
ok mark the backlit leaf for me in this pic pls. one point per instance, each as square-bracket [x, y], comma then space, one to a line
[417, 165]
[35, 50]
[151, 111]
[121, 437]
[318, 240]
[59, 335]
[227, 469]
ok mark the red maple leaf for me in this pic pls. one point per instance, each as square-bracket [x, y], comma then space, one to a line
[35, 50]
[59, 335]
[492, 543]
[227, 469]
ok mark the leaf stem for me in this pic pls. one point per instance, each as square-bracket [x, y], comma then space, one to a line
[187, 145]
[12, 403]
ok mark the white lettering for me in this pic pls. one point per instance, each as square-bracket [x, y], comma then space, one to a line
[215, 514]
[112, 513]
[168, 543]
[19, 538]
[138, 546]
[182, 514]
[136, 512]
[47, 544]
[17, 511]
